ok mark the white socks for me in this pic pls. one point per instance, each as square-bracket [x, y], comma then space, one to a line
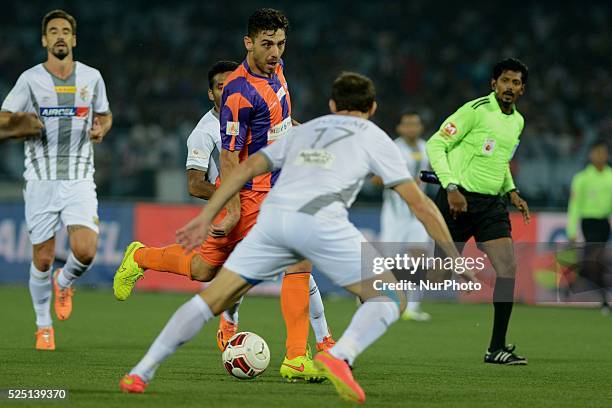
[40, 290]
[71, 271]
[368, 324]
[317, 312]
[231, 315]
[184, 324]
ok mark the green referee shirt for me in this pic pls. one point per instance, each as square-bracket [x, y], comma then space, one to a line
[474, 146]
[591, 197]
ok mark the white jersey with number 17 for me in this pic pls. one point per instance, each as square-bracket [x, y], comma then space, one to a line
[325, 161]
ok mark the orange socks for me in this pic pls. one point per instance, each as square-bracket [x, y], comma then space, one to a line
[167, 259]
[294, 305]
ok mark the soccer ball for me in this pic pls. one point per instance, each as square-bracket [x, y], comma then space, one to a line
[246, 356]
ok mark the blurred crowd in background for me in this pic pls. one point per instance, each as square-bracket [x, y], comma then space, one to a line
[425, 56]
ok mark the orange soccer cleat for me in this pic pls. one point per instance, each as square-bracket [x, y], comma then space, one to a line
[225, 332]
[45, 339]
[132, 383]
[327, 343]
[339, 373]
[63, 298]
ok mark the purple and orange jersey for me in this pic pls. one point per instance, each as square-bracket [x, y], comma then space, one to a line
[255, 111]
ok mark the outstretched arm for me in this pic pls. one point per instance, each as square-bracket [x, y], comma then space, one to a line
[194, 233]
[19, 124]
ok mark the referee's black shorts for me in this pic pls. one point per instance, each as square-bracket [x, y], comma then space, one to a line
[486, 217]
[595, 229]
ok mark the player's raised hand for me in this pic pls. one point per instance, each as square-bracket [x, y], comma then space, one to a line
[97, 132]
[521, 205]
[193, 233]
[24, 124]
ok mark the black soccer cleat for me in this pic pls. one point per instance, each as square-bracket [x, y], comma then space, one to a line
[505, 356]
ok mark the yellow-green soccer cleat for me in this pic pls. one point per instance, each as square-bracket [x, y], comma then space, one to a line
[300, 368]
[128, 273]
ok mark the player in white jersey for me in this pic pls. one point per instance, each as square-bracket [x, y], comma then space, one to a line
[204, 142]
[203, 146]
[70, 100]
[324, 163]
[397, 223]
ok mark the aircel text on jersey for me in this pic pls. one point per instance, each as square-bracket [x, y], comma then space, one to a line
[64, 111]
[315, 157]
[280, 130]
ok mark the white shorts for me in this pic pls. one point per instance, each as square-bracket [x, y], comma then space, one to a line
[281, 238]
[47, 202]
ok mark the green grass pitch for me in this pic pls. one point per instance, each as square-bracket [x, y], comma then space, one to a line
[415, 364]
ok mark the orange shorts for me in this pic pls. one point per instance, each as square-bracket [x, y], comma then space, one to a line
[215, 251]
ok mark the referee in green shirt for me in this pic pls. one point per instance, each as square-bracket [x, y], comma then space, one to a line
[470, 155]
[591, 203]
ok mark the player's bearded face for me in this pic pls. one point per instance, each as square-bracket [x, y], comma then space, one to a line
[508, 87]
[60, 49]
[268, 48]
[59, 39]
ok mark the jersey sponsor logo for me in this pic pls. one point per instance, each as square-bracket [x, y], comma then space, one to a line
[315, 157]
[64, 112]
[65, 89]
[449, 129]
[280, 130]
[195, 152]
[281, 92]
[488, 146]
[232, 128]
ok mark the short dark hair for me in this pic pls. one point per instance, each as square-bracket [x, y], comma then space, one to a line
[598, 143]
[510, 64]
[353, 92]
[266, 19]
[218, 68]
[409, 112]
[58, 14]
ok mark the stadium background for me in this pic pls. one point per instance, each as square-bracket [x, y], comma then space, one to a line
[426, 56]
